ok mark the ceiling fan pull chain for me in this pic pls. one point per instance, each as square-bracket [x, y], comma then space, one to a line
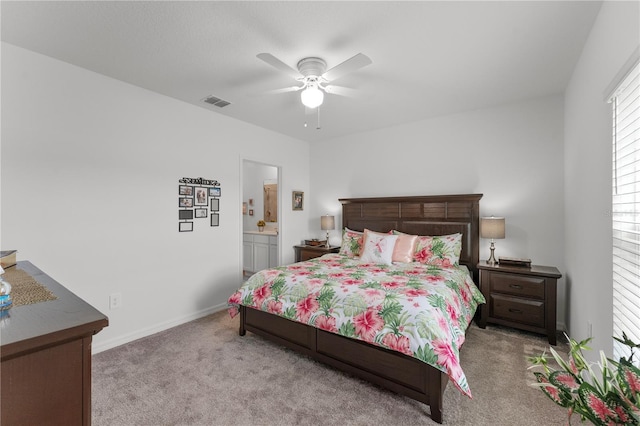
[318, 126]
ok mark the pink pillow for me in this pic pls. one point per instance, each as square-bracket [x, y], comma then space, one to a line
[405, 246]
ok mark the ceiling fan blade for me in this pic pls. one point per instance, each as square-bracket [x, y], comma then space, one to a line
[283, 90]
[351, 64]
[278, 64]
[340, 90]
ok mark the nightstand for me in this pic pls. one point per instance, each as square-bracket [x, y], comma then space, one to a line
[309, 252]
[520, 297]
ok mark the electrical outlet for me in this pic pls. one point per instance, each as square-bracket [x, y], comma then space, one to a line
[115, 301]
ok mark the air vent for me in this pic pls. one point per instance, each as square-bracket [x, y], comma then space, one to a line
[216, 101]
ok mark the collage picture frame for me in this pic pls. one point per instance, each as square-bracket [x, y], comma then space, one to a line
[198, 201]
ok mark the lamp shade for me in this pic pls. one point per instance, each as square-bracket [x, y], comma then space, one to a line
[327, 223]
[492, 227]
[312, 97]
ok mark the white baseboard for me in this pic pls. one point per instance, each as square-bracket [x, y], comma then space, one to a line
[560, 326]
[121, 340]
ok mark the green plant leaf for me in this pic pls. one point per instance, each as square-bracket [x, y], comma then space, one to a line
[599, 411]
[556, 395]
[565, 381]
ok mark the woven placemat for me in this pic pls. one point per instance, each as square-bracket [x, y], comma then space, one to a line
[25, 290]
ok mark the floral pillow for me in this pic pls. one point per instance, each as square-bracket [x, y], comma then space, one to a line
[351, 243]
[378, 248]
[442, 250]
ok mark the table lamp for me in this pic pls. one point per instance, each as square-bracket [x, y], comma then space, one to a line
[327, 223]
[492, 227]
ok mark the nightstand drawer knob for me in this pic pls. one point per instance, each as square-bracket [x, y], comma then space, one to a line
[519, 287]
[515, 311]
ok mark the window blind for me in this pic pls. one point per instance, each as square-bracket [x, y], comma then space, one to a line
[626, 210]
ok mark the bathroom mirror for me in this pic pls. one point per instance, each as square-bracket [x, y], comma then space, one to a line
[270, 201]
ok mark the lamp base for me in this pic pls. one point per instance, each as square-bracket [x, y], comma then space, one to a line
[492, 259]
[327, 245]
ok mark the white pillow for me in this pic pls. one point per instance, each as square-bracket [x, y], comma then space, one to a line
[378, 248]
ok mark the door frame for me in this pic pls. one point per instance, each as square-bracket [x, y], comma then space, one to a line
[279, 201]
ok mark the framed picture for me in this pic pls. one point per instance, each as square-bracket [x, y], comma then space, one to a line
[185, 226]
[244, 208]
[185, 190]
[201, 196]
[215, 204]
[298, 200]
[185, 202]
[250, 212]
[214, 192]
[185, 214]
[215, 219]
[201, 213]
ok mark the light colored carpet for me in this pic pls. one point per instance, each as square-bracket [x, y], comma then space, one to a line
[204, 373]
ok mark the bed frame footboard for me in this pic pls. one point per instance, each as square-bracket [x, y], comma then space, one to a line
[391, 370]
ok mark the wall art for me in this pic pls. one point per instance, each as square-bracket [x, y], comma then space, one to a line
[185, 226]
[185, 190]
[201, 196]
[298, 200]
[185, 202]
[185, 214]
[195, 194]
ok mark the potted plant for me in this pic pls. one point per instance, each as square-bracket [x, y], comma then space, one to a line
[261, 225]
[608, 396]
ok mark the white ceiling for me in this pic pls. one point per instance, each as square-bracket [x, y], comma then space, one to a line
[430, 58]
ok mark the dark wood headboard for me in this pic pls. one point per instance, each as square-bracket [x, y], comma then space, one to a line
[421, 215]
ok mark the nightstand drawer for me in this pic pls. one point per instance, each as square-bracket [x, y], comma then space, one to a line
[520, 310]
[310, 252]
[306, 254]
[517, 285]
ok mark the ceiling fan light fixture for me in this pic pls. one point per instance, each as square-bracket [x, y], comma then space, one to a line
[312, 97]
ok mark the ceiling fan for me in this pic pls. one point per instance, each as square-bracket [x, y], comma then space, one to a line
[313, 74]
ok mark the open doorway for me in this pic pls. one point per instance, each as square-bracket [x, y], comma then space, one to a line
[260, 202]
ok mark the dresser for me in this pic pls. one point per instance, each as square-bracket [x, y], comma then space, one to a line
[46, 358]
[310, 252]
[520, 297]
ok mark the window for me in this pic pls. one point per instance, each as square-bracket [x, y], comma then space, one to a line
[626, 210]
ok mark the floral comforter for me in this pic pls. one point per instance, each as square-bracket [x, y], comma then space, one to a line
[416, 309]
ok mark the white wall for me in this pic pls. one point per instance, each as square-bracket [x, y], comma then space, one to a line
[613, 38]
[90, 169]
[512, 154]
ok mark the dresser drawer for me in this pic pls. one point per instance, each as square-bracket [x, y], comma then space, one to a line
[523, 311]
[517, 285]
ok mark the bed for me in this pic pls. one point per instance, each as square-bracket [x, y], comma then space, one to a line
[383, 361]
